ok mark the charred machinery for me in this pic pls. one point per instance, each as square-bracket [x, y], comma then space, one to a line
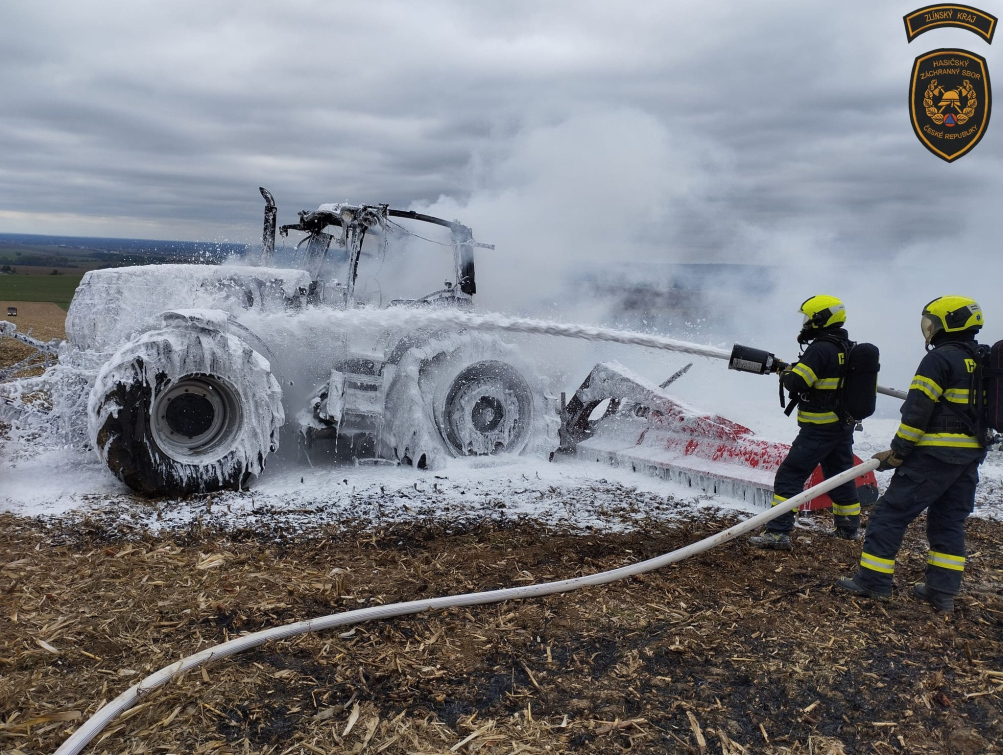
[189, 375]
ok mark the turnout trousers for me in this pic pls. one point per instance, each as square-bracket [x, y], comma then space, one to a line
[947, 493]
[832, 447]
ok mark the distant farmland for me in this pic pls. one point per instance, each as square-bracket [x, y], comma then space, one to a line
[33, 258]
[54, 288]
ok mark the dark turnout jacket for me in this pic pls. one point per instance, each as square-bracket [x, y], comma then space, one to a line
[815, 378]
[943, 378]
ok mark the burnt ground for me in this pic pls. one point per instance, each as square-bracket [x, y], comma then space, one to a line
[733, 651]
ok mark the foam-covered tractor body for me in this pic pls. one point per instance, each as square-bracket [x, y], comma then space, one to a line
[192, 374]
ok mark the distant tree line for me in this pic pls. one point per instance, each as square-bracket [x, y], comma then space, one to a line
[86, 253]
[45, 260]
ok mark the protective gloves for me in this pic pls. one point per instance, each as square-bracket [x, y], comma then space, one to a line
[889, 460]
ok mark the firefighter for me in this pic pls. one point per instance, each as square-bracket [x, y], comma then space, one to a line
[936, 454]
[826, 435]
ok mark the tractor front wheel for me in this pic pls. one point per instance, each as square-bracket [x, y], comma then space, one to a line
[179, 412]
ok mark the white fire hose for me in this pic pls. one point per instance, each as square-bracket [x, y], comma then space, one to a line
[504, 323]
[96, 723]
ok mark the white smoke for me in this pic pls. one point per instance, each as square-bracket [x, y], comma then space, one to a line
[608, 191]
[593, 190]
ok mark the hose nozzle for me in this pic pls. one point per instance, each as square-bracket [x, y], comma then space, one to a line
[756, 361]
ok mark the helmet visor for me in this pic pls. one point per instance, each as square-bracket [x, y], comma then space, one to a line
[929, 325]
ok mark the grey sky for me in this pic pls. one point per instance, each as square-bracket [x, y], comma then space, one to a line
[758, 130]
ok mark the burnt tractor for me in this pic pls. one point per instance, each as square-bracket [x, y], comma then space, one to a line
[193, 372]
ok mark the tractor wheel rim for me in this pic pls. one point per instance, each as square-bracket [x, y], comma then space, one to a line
[488, 409]
[197, 416]
[487, 413]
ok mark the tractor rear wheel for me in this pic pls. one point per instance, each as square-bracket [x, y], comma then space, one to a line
[465, 394]
[487, 409]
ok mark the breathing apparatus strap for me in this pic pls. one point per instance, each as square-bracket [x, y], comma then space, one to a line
[795, 398]
[844, 368]
[794, 401]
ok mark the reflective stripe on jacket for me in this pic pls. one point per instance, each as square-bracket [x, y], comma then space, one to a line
[943, 377]
[815, 378]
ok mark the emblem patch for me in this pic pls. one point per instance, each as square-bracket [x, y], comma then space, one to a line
[949, 14]
[949, 101]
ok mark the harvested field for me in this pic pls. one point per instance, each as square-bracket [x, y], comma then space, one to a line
[13, 351]
[734, 651]
[44, 319]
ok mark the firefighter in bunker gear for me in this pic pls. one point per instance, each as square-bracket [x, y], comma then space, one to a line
[825, 436]
[936, 455]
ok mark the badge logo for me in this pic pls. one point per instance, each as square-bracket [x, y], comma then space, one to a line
[949, 101]
[960, 16]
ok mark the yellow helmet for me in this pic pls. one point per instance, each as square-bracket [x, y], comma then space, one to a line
[951, 314]
[822, 311]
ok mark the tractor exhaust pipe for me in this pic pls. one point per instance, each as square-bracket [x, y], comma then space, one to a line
[268, 233]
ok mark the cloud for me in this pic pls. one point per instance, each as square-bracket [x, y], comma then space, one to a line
[761, 131]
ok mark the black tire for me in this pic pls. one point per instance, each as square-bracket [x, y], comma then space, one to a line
[441, 385]
[178, 412]
[487, 409]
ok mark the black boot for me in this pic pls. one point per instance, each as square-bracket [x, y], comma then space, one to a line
[850, 584]
[845, 533]
[777, 541]
[941, 601]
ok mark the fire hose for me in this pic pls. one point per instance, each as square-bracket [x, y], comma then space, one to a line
[741, 358]
[105, 715]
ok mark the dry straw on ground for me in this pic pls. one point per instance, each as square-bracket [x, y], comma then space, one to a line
[735, 651]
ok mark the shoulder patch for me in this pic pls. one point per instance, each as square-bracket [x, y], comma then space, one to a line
[950, 14]
[950, 100]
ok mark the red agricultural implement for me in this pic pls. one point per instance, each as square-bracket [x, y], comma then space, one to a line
[647, 430]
